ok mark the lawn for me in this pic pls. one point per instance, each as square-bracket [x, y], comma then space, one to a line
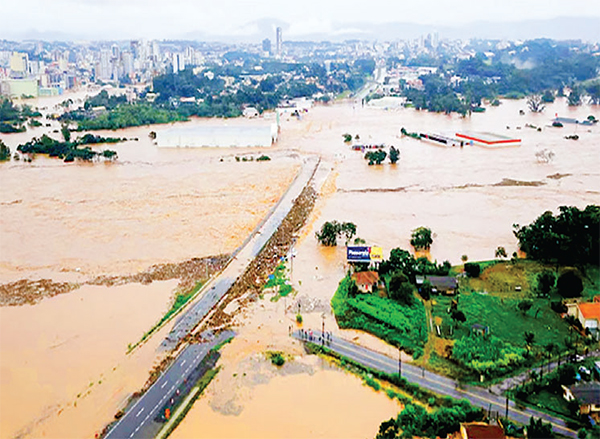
[400, 325]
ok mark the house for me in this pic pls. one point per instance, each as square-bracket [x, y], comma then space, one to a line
[588, 395]
[588, 313]
[439, 284]
[481, 430]
[366, 280]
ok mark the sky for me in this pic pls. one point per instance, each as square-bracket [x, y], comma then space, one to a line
[116, 19]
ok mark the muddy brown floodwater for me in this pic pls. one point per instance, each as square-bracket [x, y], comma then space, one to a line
[469, 197]
[71, 222]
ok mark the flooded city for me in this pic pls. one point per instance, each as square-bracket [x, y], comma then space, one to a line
[64, 360]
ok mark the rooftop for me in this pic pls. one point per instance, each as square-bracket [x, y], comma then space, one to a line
[366, 277]
[478, 430]
[587, 393]
[590, 310]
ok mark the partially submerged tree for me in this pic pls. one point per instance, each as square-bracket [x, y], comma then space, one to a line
[535, 103]
[331, 230]
[394, 155]
[4, 152]
[421, 238]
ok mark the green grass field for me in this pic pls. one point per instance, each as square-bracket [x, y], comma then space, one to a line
[403, 326]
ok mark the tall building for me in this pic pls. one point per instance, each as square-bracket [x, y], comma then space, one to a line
[266, 46]
[178, 62]
[104, 68]
[278, 42]
[18, 62]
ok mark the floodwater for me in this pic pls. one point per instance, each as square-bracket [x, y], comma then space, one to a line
[307, 397]
[73, 221]
[453, 191]
[64, 370]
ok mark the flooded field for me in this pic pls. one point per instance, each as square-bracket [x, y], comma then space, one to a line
[69, 222]
[64, 370]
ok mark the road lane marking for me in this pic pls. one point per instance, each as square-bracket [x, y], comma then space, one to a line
[140, 412]
[163, 386]
[183, 362]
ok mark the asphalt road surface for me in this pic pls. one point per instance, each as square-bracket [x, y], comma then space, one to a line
[434, 382]
[214, 291]
[139, 418]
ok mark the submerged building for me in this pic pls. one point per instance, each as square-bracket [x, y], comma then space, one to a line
[217, 136]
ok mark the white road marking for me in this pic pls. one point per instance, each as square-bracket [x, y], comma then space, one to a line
[183, 362]
[140, 412]
[163, 386]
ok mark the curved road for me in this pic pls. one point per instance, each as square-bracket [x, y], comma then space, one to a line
[434, 382]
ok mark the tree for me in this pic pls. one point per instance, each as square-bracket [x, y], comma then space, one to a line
[425, 290]
[535, 103]
[4, 152]
[544, 283]
[537, 429]
[569, 284]
[570, 238]
[347, 137]
[64, 129]
[458, 316]
[524, 306]
[548, 97]
[387, 430]
[331, 230]
[529, 337]
[348, 230]
[501, 252]
[328, 234]
[574, 98]
[421, 238]
[394, 155]
[400, 288]
[593, 90]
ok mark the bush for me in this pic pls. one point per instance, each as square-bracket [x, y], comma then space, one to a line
[276, 358]
[472, 269]
[299, 318]
[263, 158]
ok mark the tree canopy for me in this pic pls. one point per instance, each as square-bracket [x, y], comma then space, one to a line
[570, 238]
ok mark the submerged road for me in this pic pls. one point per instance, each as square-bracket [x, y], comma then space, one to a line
[136, 422]
[214, 290]
[139, 419]
[434, 382]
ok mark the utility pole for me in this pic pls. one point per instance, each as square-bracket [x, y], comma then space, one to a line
[323, 332]
[506, 417]
[399, 362]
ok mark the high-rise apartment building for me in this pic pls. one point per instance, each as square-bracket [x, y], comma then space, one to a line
[278, 42]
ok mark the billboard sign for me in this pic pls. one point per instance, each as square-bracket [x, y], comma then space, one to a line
[364, 254]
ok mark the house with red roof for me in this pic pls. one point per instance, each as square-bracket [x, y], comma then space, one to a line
[366, 280]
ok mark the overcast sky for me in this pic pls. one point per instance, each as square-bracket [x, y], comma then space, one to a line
[173, 18]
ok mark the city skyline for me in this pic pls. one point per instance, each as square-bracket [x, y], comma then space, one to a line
[180, 19]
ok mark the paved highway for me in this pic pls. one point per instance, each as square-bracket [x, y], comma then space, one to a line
[138, 421]
[214, 291]
[437, 383]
